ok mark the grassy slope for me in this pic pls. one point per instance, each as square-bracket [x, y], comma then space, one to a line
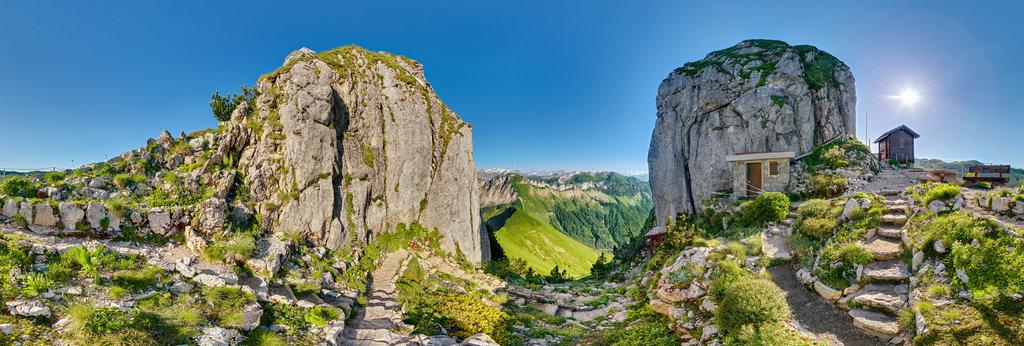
[601, 218]
[543, 247]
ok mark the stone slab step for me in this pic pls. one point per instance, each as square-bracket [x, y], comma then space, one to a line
[894, 219]
[889, 192]
[883, 248]
[874, 323]
[793, 214]
[895, 208]
[886, 271]
[887, 297]
[890, 232]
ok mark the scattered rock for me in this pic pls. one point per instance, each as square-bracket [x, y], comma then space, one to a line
[30, 308]
[251, 314]
[826, 292]
[217, 336]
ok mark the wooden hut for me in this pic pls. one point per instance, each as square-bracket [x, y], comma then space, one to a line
[897, 145]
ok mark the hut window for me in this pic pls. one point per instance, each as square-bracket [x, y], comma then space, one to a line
[773, 168]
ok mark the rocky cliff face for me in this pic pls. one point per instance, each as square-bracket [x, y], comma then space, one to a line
[759, 95]
[348, 143]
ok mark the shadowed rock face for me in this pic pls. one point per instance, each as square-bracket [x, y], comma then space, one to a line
[346, 144]
[760, 95]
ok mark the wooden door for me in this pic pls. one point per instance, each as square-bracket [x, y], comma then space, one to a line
[754, 178]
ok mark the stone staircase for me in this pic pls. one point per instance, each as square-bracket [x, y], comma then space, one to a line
[884, 283]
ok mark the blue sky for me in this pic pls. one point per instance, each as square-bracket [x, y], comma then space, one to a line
[546, 85]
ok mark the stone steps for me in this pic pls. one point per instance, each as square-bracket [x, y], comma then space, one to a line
[883, 248]
[890, 232]
[886, 297]
[875, 323]
[894, 219]
[886, 271]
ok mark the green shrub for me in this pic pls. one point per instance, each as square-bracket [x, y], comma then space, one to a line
[755, 302]
[88, 261]
[238, 247]
[943, 192]
[288, 315]
[983, 185]
[951, 228]
[225, 304]
[817, 228]
[20, 221]
[222, 106]
[124, 180]
[815, 208]
[768, 207]
[53, 177]
[849, 253]
[91, 325]
[992, 265]
[264, 338]
[727, 273]
[771, 334]
[827, 185]
[319, 316]
[34, 284]
[139, 279]
[19, 187]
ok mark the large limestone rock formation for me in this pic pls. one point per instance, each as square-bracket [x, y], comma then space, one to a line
[759, 95]
[346, 144]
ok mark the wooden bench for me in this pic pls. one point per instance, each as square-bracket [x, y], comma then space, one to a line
[995, 174]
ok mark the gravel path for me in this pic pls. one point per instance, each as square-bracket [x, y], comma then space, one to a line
[814, 314]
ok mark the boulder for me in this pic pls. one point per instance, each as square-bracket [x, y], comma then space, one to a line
[1018, 208]
[251, 314]
[28, 308]
[479, 340]
[1001, 204]
[70, 214]
[95, 213]
[917, 260]
[44, 215]
[851, 206]
[827, 292]
[10, 207]
[936, 206]
[26, 211]
[213, 215]
[939, 246]
[270, 251]
[729, 104]
[159, 222]
[217, 336]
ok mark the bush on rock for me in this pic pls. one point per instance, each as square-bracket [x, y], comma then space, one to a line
[755, 302]
[769, 207]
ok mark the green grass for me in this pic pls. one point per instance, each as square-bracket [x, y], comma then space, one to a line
[543, 247]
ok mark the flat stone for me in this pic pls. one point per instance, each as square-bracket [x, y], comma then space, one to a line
[875, 323]
[890, 232]
[891, 298]
[886, 271]
[894, 219]
[827, 292]
[883, 249]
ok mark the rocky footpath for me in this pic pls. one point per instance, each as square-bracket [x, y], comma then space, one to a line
[757, 96]
[879, 289]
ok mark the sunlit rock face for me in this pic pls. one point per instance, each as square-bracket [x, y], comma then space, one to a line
[347, 144]
[757, 96]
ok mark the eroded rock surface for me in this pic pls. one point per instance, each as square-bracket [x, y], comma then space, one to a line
[757, 96]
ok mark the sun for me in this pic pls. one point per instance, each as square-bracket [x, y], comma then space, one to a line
[909, 97]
